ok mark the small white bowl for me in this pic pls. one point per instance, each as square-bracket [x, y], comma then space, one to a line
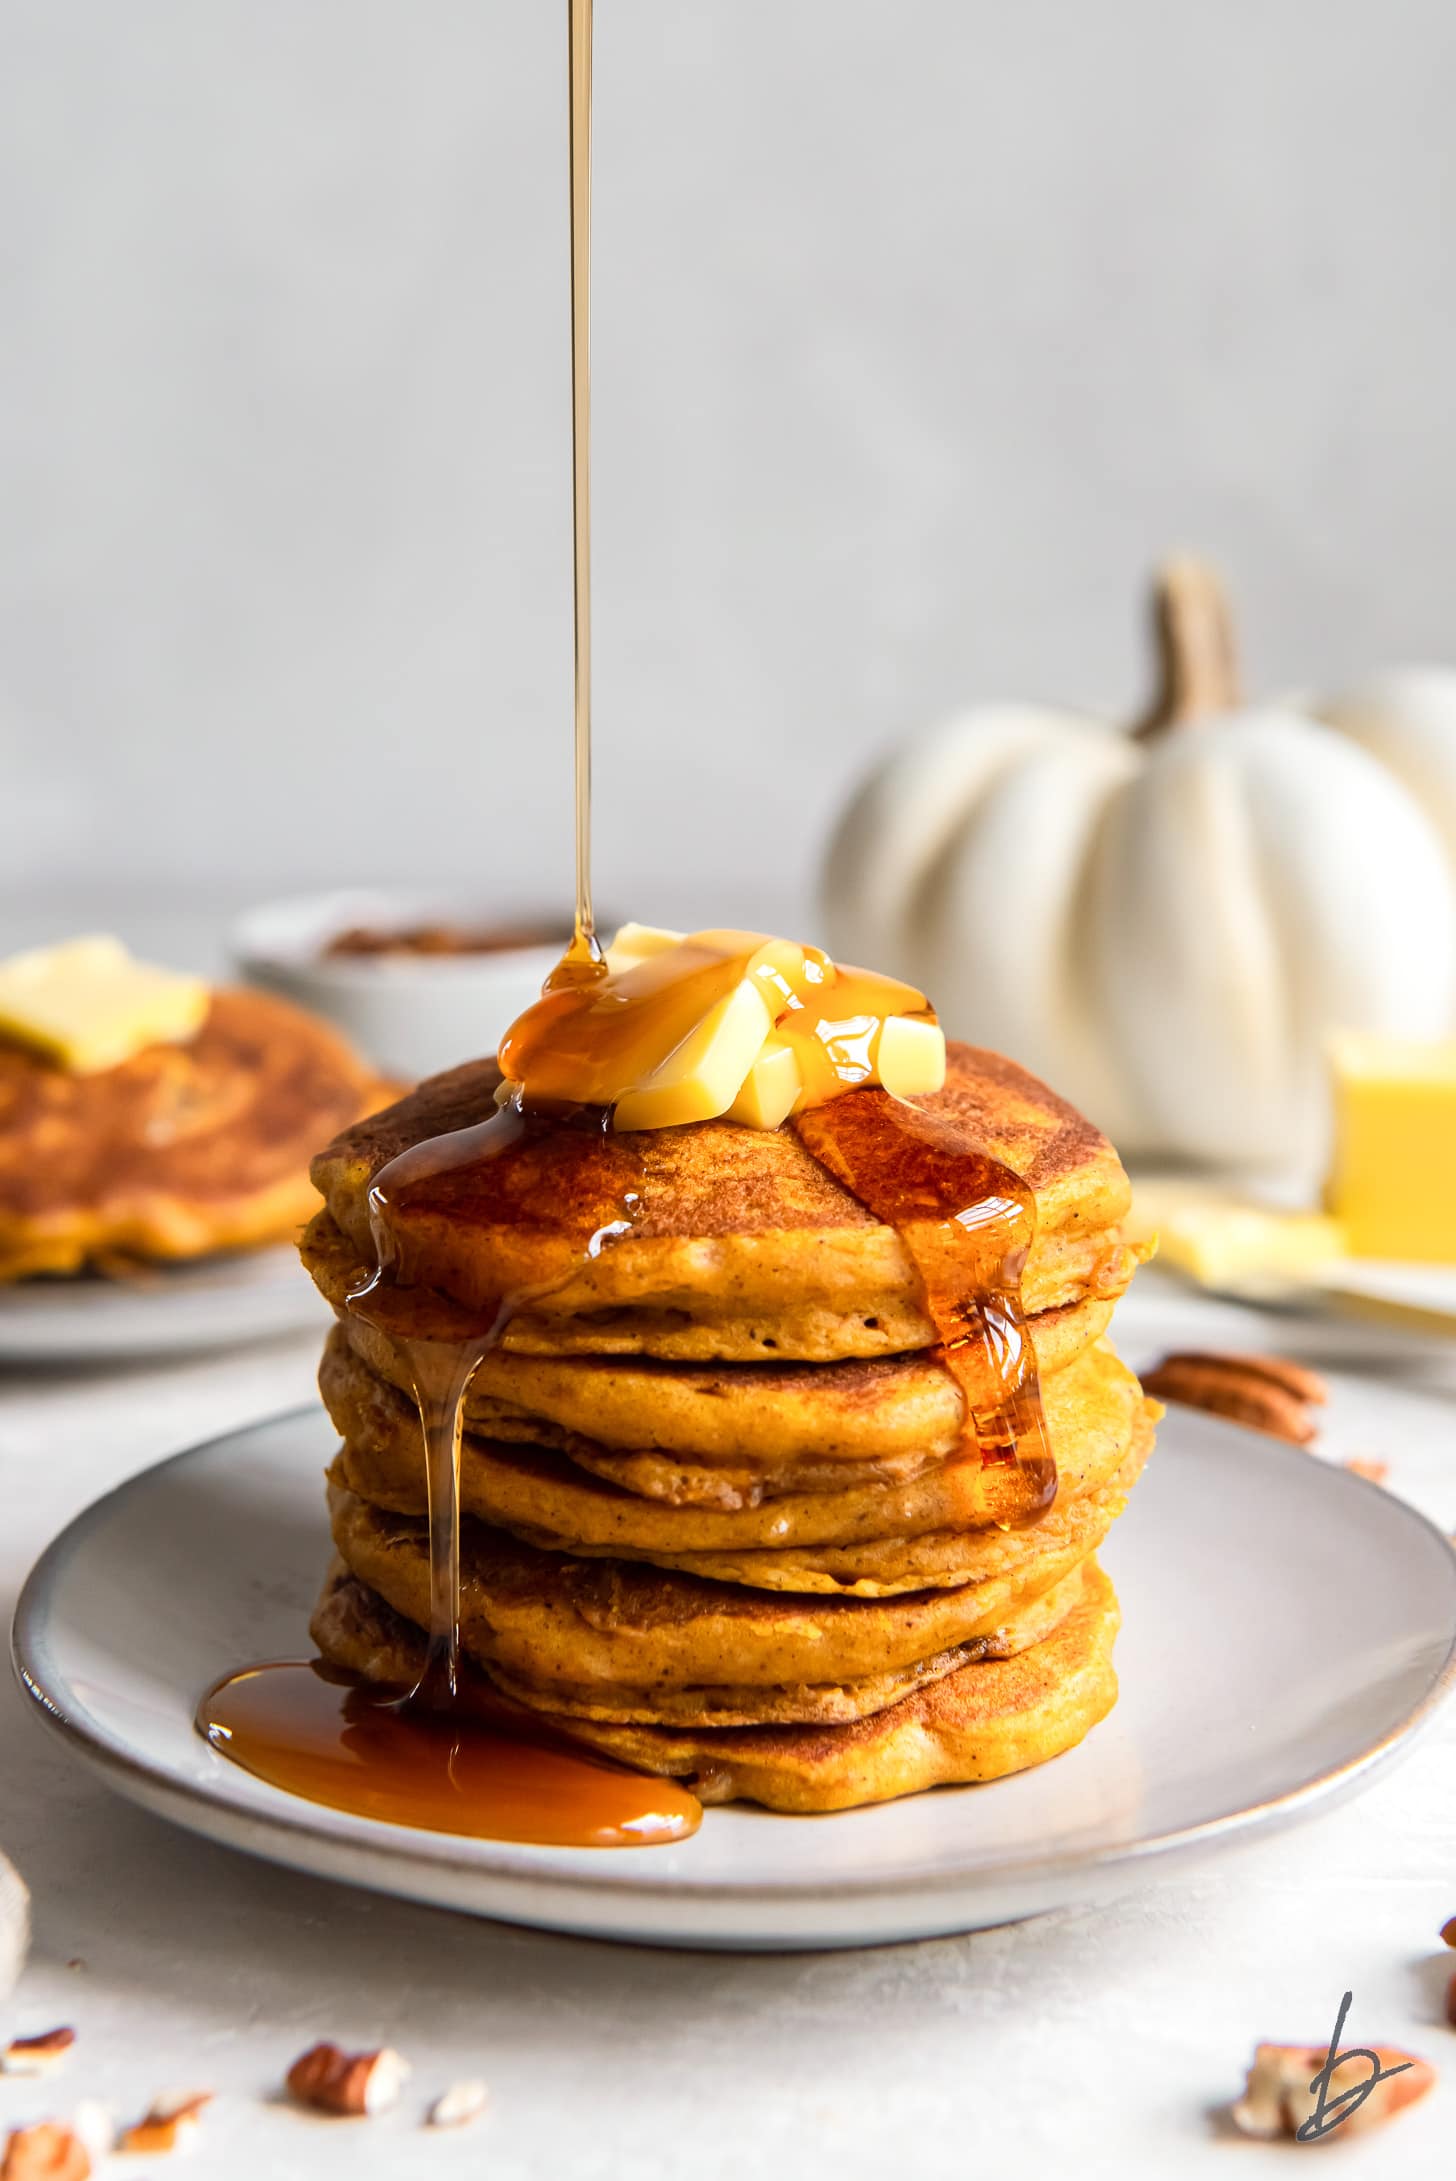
[411, 1014]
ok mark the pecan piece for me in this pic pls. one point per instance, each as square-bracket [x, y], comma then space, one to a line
[46, 2152]
[1295, 1379]
[351, 2083]
[455, 2107]
[1225, 1386]
[1279, 2098]
[170, 2123]
[36, 2055]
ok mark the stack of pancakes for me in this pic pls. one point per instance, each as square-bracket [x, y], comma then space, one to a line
[722, 1519]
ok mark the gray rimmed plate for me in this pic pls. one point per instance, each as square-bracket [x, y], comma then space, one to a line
[1238, 1556]
[215, 1302]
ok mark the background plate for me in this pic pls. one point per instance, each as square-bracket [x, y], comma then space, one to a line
[220, 1302]
[1285, 1625]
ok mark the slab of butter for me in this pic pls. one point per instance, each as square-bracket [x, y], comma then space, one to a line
[1223, 1241]
[736, 1064]
[87, 1005]
[1392, 1183]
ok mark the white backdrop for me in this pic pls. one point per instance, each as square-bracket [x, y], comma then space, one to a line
[921, 328]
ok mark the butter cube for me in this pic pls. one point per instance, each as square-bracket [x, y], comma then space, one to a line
[771, 1089]
[637, 942]
[701, 1079]
[911, 1057]
[88, 1005]
[1392, 1185]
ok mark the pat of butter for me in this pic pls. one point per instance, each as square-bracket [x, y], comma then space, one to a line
[1392, 1185]
[637, 943]
[701, 1079]
[767, 1044]
[1221, 1241]
[88, 1005]
[771, 1088]
[910, 1061]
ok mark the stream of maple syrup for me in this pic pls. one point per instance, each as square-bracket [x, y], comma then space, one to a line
[445, 1754]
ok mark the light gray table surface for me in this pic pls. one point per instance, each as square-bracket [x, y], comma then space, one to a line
[1100, 2042]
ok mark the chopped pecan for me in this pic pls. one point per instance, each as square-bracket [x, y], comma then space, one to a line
[1295, 1379]
[461, 2103]
[1233, 1387]
[170, 2122]
[351, 2083]
[1279, 2096]
[36, 2055]
[46, 2152]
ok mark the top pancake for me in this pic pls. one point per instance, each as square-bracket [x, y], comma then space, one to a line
[742, 1245]
[181, 1150]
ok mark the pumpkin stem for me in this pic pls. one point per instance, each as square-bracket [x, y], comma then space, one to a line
[1193, 629]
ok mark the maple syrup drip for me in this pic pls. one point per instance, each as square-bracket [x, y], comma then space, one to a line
[441, 1375]
[598, 1039]
[967, 1222]
[358, 1747]
[438, 1755]
[482, 1169]
[583, 956]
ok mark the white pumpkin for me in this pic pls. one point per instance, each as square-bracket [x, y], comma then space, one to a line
[1406, 717]
[1166, 923]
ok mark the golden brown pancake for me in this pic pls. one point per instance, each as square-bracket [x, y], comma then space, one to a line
[979, 1721]
[181, 1150]
[1092, 1412]
[620, 1639]
[744, 1247]
[761, 1428]
[946, 1559]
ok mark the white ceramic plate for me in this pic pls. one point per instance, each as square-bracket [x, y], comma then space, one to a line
[219, 1302]
[1235, 1553]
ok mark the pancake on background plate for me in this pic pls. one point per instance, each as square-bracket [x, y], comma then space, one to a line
[120, 1146]
[721, 1517]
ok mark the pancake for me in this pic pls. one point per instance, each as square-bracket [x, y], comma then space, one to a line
[744, 1421]
[744, 1247]
[619, 1639]
[180, 1151]
[801, 1704]
[979, 1721]
[1092, 1412]
[949, 1558]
